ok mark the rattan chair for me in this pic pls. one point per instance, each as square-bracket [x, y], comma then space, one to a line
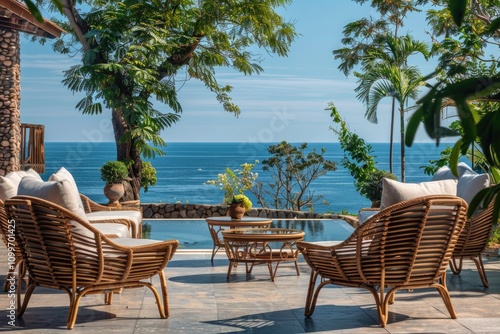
[127, 213]
[62, 251]
[405, 246]
[16, 269]
[472, 243]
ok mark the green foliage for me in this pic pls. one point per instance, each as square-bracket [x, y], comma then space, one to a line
[358, 159]
[434, 165]
[148, 175]
[114, 172]
[235, 182]
[136, 53]
[292, 170]
[372, 187]
[245, 201]
[477, 98]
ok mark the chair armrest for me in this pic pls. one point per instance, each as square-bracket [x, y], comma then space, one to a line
[91, 206]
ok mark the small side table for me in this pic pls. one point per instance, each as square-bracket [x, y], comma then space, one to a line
[262, 245]
[218, 224]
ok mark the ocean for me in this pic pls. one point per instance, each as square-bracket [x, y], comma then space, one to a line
[183, 171]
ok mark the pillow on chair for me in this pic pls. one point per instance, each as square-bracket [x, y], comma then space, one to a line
[394, 191]
[10, 182]
[64, 175]
[58, 192]
[469, 184]
[444, 173]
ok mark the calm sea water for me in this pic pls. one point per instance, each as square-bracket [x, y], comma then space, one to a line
[183, 171]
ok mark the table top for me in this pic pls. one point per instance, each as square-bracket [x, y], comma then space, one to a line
[243, 222]
[263, 234]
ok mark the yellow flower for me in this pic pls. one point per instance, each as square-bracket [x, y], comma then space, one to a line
[247, 204]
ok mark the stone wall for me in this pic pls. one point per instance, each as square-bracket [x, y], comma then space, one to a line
[197, 211]
[10, 118]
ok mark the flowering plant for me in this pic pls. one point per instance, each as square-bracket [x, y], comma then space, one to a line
[235, 182]
[245, 201]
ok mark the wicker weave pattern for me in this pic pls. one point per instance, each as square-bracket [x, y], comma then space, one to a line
[63, 252]
[473, 241]
[405, 246]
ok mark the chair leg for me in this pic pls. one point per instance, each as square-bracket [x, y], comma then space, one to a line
[27, 296]
[456, 265]
[480, 268]
[312, 293]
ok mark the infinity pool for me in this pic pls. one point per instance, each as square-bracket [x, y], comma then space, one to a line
[193, 233]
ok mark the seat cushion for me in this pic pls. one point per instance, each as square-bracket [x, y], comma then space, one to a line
[112, 230]
[135, 217]
[394, 191]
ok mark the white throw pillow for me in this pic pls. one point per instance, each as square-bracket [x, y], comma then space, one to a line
[64, 175]
[469, 184]
[394, 191]
[444, 173]
[10, 182]
[58, 192]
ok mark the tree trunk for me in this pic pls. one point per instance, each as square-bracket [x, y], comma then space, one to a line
[402, 121]
[126, 151]
[391, 141]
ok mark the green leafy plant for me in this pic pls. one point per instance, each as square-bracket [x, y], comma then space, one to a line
[113, 172]
[235, 182]
[148, 175]
[372, 187]
[245, 201]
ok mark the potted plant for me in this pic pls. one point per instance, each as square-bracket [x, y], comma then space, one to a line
[238, 205]
[113, 173]
[372, 187]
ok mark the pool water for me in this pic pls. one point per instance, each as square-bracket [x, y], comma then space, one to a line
[193, 233]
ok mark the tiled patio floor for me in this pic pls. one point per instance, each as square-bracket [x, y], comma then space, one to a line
[203, 301]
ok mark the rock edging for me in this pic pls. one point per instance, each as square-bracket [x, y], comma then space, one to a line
[200, 211]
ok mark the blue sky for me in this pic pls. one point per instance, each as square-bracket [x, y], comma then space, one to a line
[285, 102]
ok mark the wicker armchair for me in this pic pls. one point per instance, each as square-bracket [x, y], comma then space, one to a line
[62, 251]
[16, 270]
[127, 213]
[473, 241]
[405, 246]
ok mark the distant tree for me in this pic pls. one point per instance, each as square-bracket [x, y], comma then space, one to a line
[292, 170]
[135, 52]
[359, 160]
[368, 41]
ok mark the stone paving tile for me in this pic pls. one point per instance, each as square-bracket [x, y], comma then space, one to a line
[202, 300]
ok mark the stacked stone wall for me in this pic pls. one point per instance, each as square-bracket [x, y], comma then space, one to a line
[10, 95]
[199, 211]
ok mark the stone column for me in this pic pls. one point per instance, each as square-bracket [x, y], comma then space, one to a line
[10, 97]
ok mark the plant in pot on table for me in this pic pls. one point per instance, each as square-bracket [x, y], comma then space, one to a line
[238, 205]
[113, 173]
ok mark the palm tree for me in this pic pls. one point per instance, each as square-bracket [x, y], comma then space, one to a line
[389, 80]
[394, 52]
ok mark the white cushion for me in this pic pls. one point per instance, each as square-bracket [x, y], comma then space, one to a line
[134, 217]
[63, 174]
[10, 182]
[469, 184]
[58, 192]
[364, 215]
[112, 230]
[444, 173]
[394, 191]
[131, 242]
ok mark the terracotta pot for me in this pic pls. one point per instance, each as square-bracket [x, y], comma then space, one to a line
[236, 210]
[114, 192]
